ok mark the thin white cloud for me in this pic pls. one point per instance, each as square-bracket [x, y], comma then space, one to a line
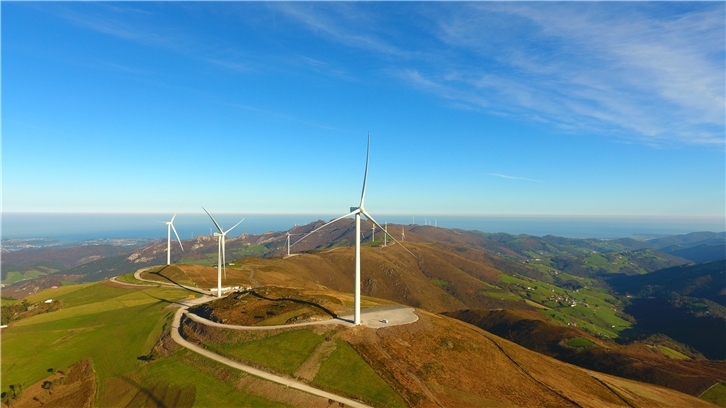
[609, 66]
[340, 22]
[504, 176]
[646, 72]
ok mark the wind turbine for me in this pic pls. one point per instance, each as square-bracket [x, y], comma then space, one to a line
[357, 211]
[385, 235]
[288, 242]
[169, 227]
[221, 259]
[403, 233]
[373, 235]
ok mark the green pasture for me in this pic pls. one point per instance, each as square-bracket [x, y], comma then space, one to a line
[129, 278]
[212, 381]
[440, 283]
[670, 353]
[17, 276]
[252, 250]
[113, 327]
[346, 372]
[716, 394]
[598, 316]
[284, 352]
[580, 342]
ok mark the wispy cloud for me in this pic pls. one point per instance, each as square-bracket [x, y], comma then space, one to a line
[646, 72]
[344, 23]
[617, 68]
[504, 176]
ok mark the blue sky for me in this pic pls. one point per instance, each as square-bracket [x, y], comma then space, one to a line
[612, 109]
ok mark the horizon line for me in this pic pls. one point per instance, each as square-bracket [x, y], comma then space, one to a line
[530, 215]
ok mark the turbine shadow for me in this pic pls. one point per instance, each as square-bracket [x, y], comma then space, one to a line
[303, 302]
[143, 394]
[172, 281]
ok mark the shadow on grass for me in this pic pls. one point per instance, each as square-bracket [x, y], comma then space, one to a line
[142, 395]
[302, 302]
[173, 282]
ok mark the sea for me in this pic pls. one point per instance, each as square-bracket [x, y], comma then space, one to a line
[79, 227]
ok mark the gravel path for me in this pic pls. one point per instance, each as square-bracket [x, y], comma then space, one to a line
[250, 370]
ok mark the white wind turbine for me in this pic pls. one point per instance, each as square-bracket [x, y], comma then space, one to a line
[357, 211]
[288, 242]
[221, 258]
[169, 227]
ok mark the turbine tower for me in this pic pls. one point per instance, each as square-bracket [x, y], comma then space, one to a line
[385, 235]
[169, 227]
[357, 211]
[221, 259]
[403, 233]
[373, 235]
[288, 242]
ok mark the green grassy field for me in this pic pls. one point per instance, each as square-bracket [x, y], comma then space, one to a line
[16, 276]
[346, 372]
[670, 353]
[716, 394]
[595, 310]
[113, 327]
[284, 352]
[580, 342]
[129, 278]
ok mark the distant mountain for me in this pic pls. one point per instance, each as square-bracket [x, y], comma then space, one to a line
[685, 303]
[701, 253]
[707, 280]
[687, 240]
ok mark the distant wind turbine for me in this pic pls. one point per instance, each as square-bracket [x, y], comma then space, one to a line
[373, 235]
[403, 233]
[169, 227]
[221, 258]
[288, 242]
[357, 211]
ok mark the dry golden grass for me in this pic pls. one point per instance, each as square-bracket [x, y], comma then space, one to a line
[464, 366]
[77, 388]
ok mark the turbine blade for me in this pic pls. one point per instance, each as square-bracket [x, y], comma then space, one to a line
[240, 221]
[379, 226]
[324, 225]
[177, 236]
[365, 177]
[177, 212]
[213, 220]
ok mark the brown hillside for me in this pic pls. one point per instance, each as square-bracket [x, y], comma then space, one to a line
[635, 361]
[438, 359]
[437, 279]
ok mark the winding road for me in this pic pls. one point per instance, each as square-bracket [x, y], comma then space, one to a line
[383, 316]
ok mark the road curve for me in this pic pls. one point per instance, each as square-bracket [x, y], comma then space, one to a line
[374, 318]
[176, 336]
